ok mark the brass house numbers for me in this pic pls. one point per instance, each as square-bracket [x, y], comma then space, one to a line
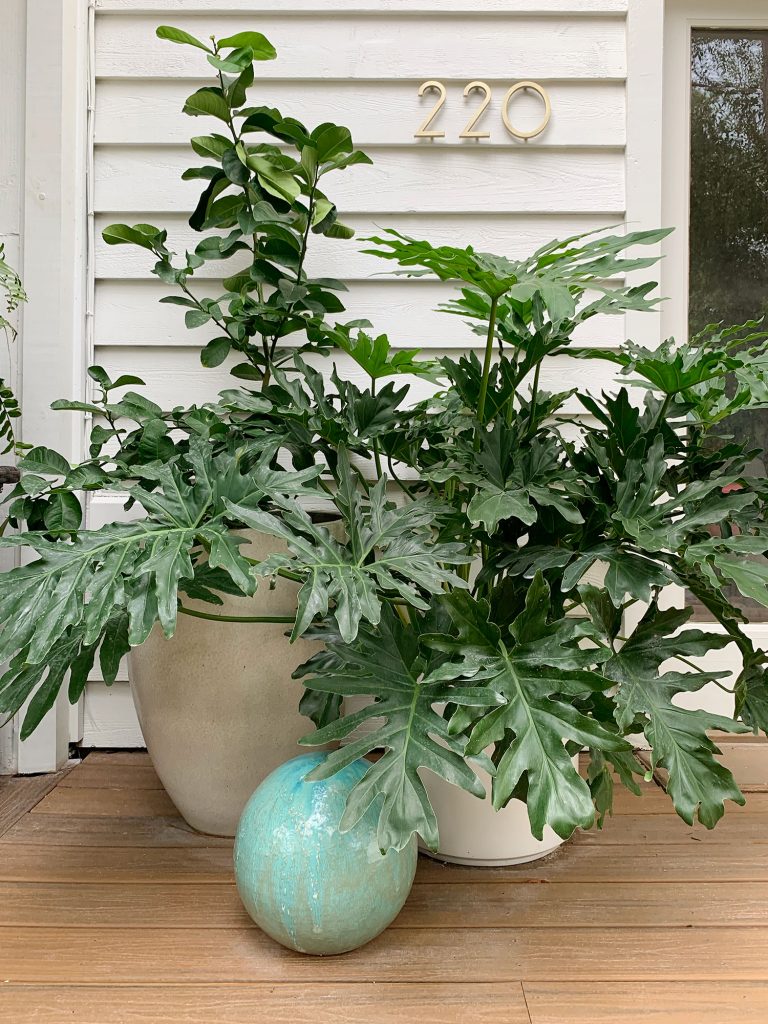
[426, 131]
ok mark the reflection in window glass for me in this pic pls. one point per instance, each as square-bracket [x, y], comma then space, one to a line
[728, 277]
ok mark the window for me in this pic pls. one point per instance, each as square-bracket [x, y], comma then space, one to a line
[728, 233]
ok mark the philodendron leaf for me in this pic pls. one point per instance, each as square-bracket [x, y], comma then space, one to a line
[389, 550]
[386, 663]
[110, 586]
[536, 668]
[751, 692]
[490, 505]
[376, 355]
[698, 784]
[739, 559]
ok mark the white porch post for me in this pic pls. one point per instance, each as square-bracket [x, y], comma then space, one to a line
[54, 265]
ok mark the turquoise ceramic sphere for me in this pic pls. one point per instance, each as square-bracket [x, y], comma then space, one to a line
[303, 882]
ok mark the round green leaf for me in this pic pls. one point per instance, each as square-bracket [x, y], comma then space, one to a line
[215, 352]
[123, 234]
[261, 46]
[45, 460]
[209, 102]
[63, 512]
[177, 35]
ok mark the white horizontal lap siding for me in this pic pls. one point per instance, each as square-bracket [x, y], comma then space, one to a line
[129, 313]
[435, 8]
[424, 177]
[174, 376]
[463, 46]
[377, 113]
[358, 63]
[514, 234]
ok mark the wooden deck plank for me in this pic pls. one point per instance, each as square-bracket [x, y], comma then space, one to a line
[735, 829]
[695, 862]
[108, 803]
[749, 764]
[172, 956]
[430, 905]
[19, 794]
[101, 775]
[75, 830]
[579, 862]
[650, 1003]
[136, 802]
[127, 757]
[115, 865]
[362, 1003]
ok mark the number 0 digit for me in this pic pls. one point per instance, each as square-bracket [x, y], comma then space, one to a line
[424, 131]
[535, 87]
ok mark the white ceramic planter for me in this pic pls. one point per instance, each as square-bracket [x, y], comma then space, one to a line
[216, 703]
[471, 832]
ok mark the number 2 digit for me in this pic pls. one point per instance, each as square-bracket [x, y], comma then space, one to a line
[424, 131]
[468, 132]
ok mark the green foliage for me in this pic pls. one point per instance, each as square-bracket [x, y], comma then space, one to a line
[390, 665]
[65, 602]
[13, 296]
[698, 784]
[487, 548]
[536, 669]
[389, 552]
[641, 500]
[260, 205]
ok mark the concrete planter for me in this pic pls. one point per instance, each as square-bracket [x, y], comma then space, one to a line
[216, 703]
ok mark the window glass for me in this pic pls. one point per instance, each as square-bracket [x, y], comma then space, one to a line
[728, 277]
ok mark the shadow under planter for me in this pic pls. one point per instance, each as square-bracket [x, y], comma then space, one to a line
[216, 703]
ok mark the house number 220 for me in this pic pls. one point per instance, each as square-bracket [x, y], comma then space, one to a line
[470, 132]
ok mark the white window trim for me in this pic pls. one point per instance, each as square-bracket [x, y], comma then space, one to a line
[645, 40]
[54, 268]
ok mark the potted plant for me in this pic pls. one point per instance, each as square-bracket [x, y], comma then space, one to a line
[477, 587]
[509, 678]
[213, 704]
[261, 205]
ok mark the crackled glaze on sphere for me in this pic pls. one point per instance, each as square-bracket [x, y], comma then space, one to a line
[303, 882]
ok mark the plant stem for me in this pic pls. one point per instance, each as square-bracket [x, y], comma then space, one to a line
[376, 454]
[403, 487]
[661, 414]
[300, 265]
[534, 394]
[486, 368]
[236, 618]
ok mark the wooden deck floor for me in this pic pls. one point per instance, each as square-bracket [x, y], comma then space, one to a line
[113, 910]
